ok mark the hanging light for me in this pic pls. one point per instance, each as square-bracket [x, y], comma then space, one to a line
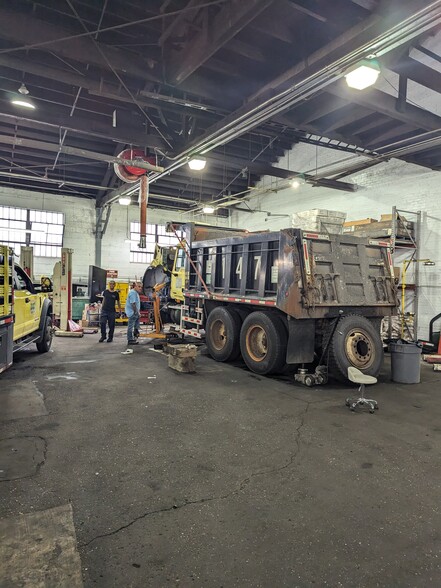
[197, 163]
[297, 182]
[125, 200]
[208, 210]
[363, 74]
[21, 98]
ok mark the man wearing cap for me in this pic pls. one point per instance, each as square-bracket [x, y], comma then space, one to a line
[108, 312]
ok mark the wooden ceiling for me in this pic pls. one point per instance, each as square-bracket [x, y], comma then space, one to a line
[241, 81]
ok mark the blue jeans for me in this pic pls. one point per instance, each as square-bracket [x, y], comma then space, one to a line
[133, 325]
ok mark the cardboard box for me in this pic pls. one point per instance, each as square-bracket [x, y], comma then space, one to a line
[363, 221]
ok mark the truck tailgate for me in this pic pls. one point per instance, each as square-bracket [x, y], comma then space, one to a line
[345, 271]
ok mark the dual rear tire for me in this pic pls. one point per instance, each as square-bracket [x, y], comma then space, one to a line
[261, 339]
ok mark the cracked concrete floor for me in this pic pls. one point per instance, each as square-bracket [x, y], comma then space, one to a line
[224, 478]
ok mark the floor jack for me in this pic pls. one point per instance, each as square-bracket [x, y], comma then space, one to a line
[158, 333]
[320, 375]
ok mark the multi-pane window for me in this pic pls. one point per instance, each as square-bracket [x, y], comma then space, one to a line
[40, 229]
[47, 229]
[154, 234]
[13, 227]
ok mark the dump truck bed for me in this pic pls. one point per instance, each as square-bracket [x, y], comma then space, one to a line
[304, 274]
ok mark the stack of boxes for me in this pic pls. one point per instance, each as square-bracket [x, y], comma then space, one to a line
[319, 220]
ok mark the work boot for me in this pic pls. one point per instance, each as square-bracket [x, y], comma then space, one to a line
[132, 342]
[109, 340]
[102, 339]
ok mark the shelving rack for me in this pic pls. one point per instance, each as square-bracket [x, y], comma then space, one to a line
[409, 243]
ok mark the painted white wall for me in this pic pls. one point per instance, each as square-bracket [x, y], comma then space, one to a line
[404, 185]
[80, 226]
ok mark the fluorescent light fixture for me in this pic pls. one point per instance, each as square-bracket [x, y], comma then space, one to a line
[363, 74]
[429, 262]
[124, 200]
[197, 163]
[208, 210]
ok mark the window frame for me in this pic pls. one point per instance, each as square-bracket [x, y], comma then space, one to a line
[159, 234]
[28, 217]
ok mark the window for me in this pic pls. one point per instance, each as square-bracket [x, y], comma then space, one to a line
[22, 281]
[155, 234]
[47, 230]
[13, 227]
[40, 229]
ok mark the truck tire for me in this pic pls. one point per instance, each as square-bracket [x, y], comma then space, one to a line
[222, 334]
[356, 342]
[45, 342]
[263, 341]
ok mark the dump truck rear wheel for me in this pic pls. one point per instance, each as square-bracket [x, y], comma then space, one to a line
[355, 343]
[263, 341]
[222, 334]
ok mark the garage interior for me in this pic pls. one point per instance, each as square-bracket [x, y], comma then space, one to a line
[224, 132]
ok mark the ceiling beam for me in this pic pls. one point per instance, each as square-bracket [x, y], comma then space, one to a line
[91, 126]
[196, 85]
[231, 19]
[179, 20]
[26, 29]
[75, 152]
[386, 104]
[418, 72]
[345, 116]
[264, 169]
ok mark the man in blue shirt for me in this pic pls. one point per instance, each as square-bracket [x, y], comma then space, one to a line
[133, 307]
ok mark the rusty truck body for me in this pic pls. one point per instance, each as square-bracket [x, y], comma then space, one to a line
[275, 298]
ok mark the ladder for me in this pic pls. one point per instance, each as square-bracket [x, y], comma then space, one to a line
[196, 330]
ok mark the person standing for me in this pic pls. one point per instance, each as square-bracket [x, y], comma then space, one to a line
[133, 308]
[108, 311]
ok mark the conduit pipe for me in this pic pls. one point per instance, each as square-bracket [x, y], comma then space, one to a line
[402, 32]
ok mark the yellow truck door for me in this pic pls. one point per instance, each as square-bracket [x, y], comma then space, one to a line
[26, 305]
[178, 276]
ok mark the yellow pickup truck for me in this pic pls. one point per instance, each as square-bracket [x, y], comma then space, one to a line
[25, 310]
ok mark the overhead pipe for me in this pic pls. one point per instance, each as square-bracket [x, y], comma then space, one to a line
[75, 152]
[143, 197]
[402, 32]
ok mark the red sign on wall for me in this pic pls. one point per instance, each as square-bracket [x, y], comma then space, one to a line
[112, 273]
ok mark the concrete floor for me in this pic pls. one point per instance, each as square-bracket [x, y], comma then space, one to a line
[224, 478]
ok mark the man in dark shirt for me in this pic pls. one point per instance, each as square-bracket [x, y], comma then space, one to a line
[108, 313]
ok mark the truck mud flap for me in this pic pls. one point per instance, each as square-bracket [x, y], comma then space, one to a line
[301, 336]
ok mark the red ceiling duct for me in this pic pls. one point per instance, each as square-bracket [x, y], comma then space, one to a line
[131, 173]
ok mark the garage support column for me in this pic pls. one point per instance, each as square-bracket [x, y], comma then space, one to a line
[101, 222]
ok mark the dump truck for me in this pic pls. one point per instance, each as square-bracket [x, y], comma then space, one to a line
[291, 299]
[25, 310]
